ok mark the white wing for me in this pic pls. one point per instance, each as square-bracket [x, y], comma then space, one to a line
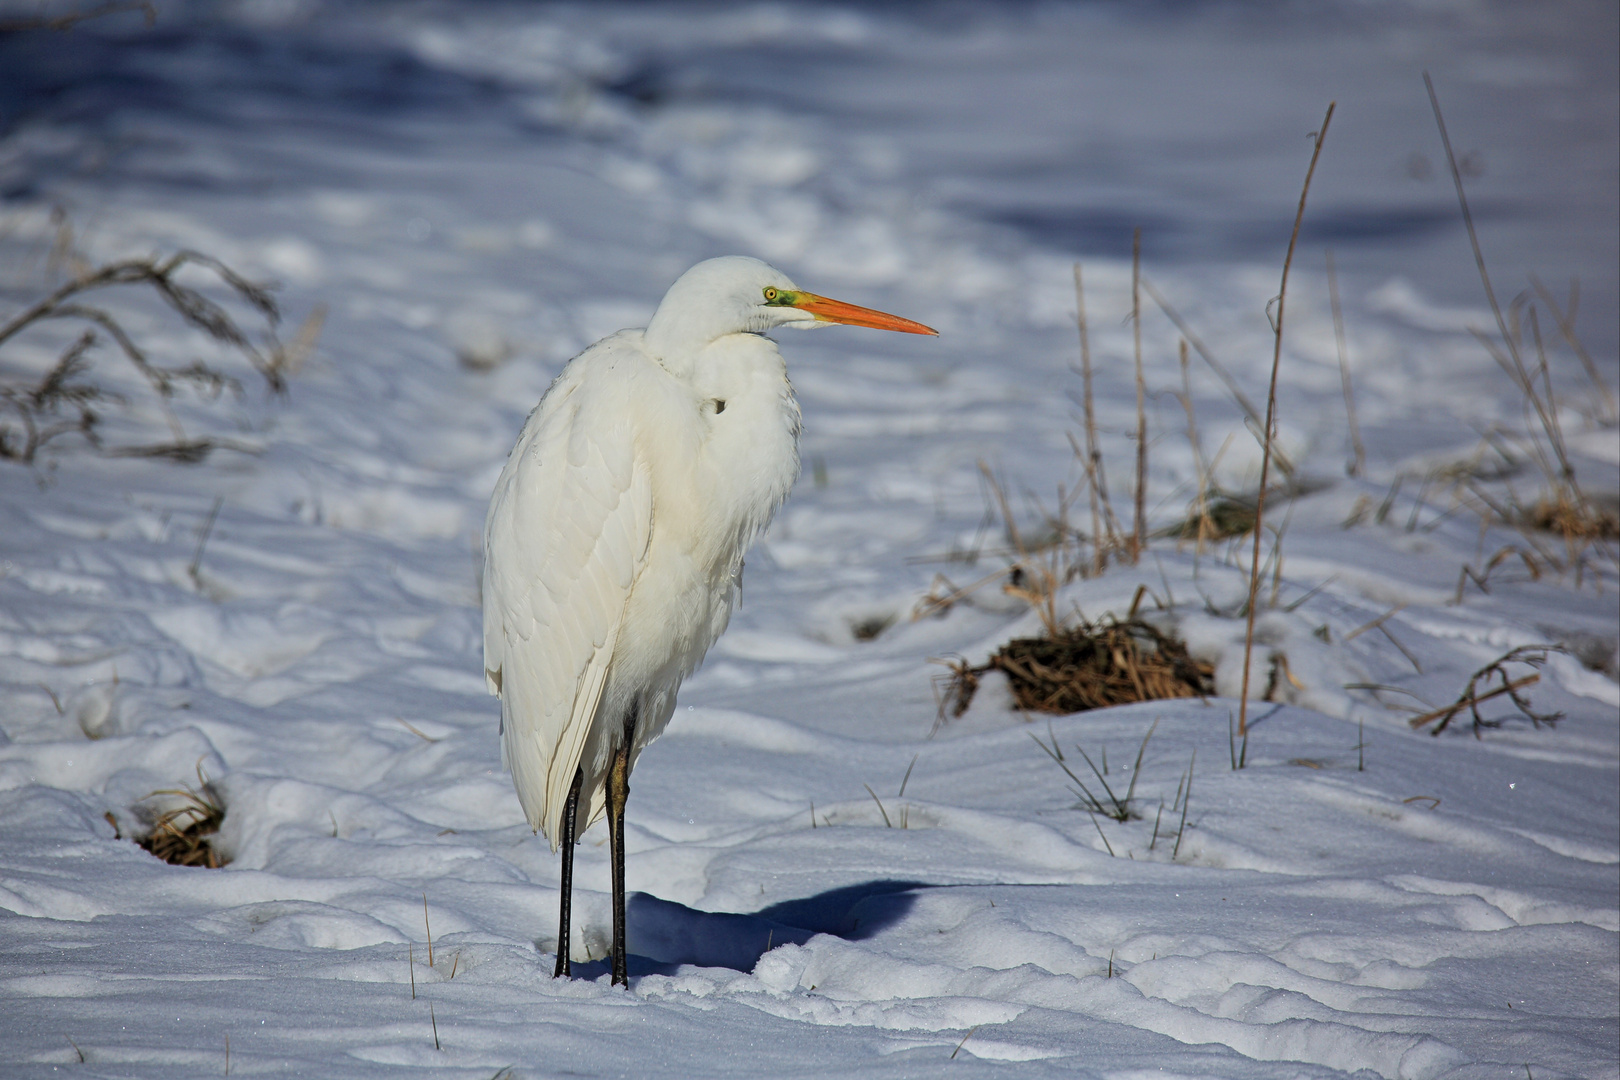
[565, 538]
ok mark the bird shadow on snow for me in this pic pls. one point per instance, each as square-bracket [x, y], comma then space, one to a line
[662, 935]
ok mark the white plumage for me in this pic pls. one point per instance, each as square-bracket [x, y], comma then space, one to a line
[615, 537]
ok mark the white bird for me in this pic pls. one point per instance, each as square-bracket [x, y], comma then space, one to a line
[614, 544]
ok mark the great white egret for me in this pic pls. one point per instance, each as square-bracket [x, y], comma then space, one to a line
[614, 544]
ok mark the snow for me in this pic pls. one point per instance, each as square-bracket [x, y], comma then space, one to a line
[476, 191]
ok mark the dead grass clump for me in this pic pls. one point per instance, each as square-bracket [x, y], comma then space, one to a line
[1089, 666]
[183, 836]
[1578, 518]
[1214, 515]
[871, 627]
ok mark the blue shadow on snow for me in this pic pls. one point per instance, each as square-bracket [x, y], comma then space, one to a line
[662, 935]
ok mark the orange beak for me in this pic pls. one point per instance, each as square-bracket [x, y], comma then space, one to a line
[839, 312]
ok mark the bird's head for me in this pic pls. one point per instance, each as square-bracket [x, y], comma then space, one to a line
[739, 295]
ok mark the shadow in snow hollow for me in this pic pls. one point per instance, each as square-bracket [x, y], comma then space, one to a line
[662, 935]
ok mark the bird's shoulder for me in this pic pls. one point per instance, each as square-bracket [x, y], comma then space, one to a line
[603, 381]
[623, 354]
[573, 481]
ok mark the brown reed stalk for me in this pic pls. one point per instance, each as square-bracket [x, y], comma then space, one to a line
[1093, 463]
[1139, 527]
[1202, 528]
[1250, 413]
[1271, 420]
[1468, 220]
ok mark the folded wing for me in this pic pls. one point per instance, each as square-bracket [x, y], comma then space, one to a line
[564, 541]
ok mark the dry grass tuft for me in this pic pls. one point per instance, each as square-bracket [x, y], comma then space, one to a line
[1574, 516]
[1564, 510]
[184, 835]
[871, 627]
[1089, 666]
[67, 399]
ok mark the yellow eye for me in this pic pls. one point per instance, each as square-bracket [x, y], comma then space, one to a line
[770, 293]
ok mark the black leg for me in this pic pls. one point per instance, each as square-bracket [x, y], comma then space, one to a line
[618, 792]
[570, 820]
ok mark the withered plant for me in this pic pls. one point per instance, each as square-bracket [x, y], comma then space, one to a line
[1086, 666]
[184, 834]
[68, 399]
[1478, 691]
[1586, 525]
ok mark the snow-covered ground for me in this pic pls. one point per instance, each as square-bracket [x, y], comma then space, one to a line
[507, 182]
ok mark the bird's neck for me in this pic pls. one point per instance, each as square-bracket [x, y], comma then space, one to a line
[676, 337]
[694, 363]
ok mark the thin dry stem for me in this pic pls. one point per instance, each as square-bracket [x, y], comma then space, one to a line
[1573, 514]
[1198, 345]
[1468, 217]
[1139, 524]
[1358, 461]
[1532, 655]
[1203, 528]
[33, 406]
[1566, 329]
[1270, 428]
[1097, 482]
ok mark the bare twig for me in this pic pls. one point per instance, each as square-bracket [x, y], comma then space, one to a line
[1373, 624]
[1471, 699]
[1482, 578]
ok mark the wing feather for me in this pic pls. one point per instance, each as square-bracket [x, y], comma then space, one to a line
[566, 536]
